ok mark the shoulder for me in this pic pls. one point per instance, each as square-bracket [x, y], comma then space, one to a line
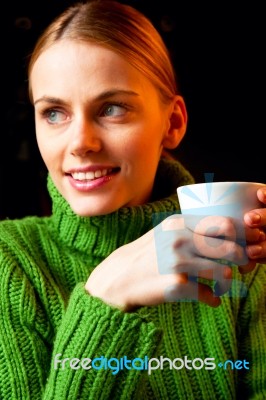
[21, 229]
[21, 237]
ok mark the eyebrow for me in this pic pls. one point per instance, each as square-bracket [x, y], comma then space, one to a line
[105, 95]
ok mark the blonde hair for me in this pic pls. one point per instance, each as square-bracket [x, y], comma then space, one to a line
[118, 27]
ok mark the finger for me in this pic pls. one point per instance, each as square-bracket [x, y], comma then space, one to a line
[255, 235]
[256, 218]
[202, 267]
[262, 194]
[245, 269]
[222, 278]
[257, 251]
[192, 291]
[215, 226]
[218, 248]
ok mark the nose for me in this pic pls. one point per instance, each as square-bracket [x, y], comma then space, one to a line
[85, 139]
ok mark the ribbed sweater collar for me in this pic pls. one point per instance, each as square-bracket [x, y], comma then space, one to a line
[100, 235]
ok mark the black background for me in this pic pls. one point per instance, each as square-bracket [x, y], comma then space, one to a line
[218, 53]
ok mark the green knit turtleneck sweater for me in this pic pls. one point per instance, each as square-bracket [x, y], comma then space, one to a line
[52, 330]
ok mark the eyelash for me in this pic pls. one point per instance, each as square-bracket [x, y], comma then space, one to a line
[114, 104]
[46, 113]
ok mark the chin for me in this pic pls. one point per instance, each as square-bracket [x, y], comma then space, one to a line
[90, 210]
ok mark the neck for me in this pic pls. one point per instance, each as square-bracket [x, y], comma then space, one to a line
[103, 234]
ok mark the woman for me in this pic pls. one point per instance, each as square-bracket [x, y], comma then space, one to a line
[102, 299]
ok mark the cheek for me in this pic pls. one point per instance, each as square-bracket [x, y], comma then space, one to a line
[134, 153]
[147, 147]
[141, 141]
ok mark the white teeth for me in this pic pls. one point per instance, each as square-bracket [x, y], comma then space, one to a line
[89, 175]
[82, 176]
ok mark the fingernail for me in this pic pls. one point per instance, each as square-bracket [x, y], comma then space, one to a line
[254, 218]
[264, 193]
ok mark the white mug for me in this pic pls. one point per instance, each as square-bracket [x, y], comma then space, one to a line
[231, 199]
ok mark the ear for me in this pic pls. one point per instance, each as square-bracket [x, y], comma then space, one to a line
[177, 123]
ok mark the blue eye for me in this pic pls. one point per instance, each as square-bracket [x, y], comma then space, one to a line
[54, 116]
[114, 110]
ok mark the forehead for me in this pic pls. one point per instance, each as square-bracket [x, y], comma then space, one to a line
[69, 62]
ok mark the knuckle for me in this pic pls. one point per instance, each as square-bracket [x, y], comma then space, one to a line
[181, 242]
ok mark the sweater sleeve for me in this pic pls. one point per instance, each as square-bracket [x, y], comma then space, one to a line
[101, 342]
[87, 356]
[252, 337]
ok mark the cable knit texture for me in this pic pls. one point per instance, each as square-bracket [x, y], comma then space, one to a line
[46, 315]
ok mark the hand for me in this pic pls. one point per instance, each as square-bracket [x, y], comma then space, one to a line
[256, 238]
[165, 264]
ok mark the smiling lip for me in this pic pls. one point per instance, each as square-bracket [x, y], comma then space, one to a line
[88, 178]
